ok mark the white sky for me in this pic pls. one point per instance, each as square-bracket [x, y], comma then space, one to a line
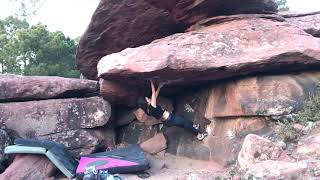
[73, 16]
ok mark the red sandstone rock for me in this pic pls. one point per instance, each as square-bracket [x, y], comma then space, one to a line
[155, 144]
[216, 52]
[117, 25]
[283, 170]
[136, 133]
[26, 88]
[226, 136]
[309, 22]
[36, 118]
[124, 117]
[4, 142]
[261, 95]
[191, 11]
[256, 149]
[310, 145]
[29, 167]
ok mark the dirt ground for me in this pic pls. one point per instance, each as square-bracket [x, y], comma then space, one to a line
[169, 167]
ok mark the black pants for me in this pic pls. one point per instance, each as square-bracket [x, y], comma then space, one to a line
[180, 121]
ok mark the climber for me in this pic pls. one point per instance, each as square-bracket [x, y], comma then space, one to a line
[150, 107]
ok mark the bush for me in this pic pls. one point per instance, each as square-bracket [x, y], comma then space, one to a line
[311, 109]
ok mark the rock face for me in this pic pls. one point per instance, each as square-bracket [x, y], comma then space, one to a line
[54, 116]
[4, 142]
[309, 22]
[261, 95]
[136, 133]
[27, 88]
[117, 25]
[191, 11]
[66, 121]
[29, 167]
[216, 52]
[283, 170]
[256, 149]
[310, 145]
[155, 144]
[225, 134]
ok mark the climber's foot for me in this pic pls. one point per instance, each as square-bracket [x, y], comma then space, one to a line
[196, 126]
[201, 136]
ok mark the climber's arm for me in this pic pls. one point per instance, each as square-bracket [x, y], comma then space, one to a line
[155, 93]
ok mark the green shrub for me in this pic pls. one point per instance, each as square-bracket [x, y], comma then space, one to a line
[311, 109]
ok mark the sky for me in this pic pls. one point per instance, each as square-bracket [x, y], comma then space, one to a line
[73, 16]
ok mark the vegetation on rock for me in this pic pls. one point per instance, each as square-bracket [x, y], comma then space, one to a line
[289, 131]
[311, 109]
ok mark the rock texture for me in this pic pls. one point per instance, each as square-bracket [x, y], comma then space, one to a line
[275, 95]
[191, 11]
[29, 167]
[117, 25]
[27, 88]
[310, 145]
[225, 134]
[66, 121]
[216, 52]
[309, 22]
[284, 170]
[124, 116]
[155, 144]
[54, 116]
[256, 149]
[136, 133]
[4, 142]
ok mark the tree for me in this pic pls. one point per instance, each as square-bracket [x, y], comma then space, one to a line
[282, 5]
[33, 50]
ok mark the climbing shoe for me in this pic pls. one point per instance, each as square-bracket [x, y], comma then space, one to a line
[196, 126]
[201, 136]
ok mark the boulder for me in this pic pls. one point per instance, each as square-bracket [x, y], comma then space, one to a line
[124, 116]
[283, 170]
[120, 94]
[225, 134]
[29, 167]
[309, 22]
[38, 118]
[228, 18]
[191, 11]
[155, 144]
[273, 95]
[216, 52]
[223, 142]
[256, 149]
[4, 142]
[136, 133]
[83, 141]
[117, 25]
[27, 88]
[309, 145]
